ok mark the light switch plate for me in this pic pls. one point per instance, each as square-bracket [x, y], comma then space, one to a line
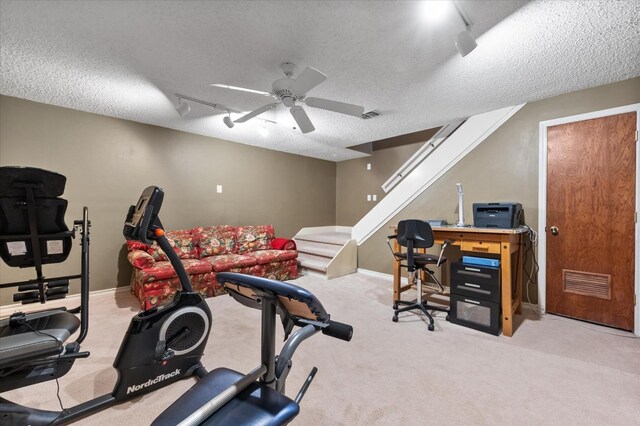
[219, 189]
[368, 197]
[375, 197]
[368, 166]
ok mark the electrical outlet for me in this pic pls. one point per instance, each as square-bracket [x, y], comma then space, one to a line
[368, 166]
[219, 189]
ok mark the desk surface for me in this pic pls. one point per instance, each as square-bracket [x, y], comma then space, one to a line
[453, 228]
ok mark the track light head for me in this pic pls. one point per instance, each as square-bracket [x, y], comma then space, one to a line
[227, 121]
[183, 108]
[465, 42]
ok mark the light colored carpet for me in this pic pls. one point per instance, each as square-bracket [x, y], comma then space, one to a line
[552, 371]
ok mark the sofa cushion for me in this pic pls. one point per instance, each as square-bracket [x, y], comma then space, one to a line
[184, 243]
[163, 269]
[254, 237]
[216, 240]
[225, 262]
[268, 256]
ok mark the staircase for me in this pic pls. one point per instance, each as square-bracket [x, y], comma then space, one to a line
[327, 250]
[430, 168]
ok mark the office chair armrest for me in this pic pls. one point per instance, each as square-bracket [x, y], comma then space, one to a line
[445, 243]
[389, 238]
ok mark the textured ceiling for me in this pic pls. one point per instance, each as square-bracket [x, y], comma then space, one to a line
[125, 59]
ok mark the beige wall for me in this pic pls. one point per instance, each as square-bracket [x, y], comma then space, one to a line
[502, 168]
[109, 161]
[354, 181]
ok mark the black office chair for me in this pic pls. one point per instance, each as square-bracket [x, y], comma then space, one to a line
[416, 234]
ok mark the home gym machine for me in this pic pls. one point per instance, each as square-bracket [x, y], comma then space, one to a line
[165, 343]
[161, 346]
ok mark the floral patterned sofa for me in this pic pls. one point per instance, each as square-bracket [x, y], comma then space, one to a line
[206, 251]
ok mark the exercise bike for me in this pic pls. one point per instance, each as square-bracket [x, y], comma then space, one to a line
[162, 345]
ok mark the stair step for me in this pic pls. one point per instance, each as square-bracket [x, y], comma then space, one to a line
[318, 263]
[320, 249]
[326, 237]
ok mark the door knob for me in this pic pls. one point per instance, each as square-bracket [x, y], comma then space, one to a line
[554, 230]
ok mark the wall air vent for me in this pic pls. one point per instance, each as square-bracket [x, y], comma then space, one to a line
[587, 283]
[370, 114]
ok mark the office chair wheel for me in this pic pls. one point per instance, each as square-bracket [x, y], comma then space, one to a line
[395, 306]
[395, 318]
[431, 327]
[447, 317]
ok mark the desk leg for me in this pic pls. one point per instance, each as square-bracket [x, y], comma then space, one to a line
[396, 275]
[520, 272]
[507, 311]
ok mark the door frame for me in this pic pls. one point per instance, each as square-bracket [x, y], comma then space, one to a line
[542, 203]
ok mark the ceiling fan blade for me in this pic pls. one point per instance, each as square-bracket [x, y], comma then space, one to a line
[302, 119]
[242, 89]
[335, 106]
[307, 80]
[256, 112]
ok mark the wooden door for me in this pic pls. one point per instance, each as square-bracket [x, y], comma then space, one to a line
[591, 173]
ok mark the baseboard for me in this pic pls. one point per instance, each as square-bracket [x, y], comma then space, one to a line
[69, 300]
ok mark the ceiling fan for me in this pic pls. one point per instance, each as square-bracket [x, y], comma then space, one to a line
[289, 92]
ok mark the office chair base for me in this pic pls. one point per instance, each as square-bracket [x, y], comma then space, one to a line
[422, 306]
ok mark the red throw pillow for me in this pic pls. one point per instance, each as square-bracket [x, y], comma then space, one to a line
[283, 244]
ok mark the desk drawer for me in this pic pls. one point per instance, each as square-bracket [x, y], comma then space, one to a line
[475, 313]
[492, 247]
[480, 282]
[490, 293]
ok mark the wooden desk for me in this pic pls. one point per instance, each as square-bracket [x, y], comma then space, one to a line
[503, 242]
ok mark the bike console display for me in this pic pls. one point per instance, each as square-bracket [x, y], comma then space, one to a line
[143, 215]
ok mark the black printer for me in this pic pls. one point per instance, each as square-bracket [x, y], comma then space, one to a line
[497, 215]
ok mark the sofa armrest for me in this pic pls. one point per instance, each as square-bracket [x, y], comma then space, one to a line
[283, 244]
[141, 259]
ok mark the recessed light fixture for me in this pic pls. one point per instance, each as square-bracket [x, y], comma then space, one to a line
[242, 89]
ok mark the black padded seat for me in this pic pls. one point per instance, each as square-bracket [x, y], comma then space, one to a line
[21, 344]
[257, 405]
[422, 259]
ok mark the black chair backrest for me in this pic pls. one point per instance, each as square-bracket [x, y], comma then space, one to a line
[417, 232]
[413, 234]
[25, 189]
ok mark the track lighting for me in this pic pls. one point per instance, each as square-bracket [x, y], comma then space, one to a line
[183, 108]
[227, 120]
[465, 41]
